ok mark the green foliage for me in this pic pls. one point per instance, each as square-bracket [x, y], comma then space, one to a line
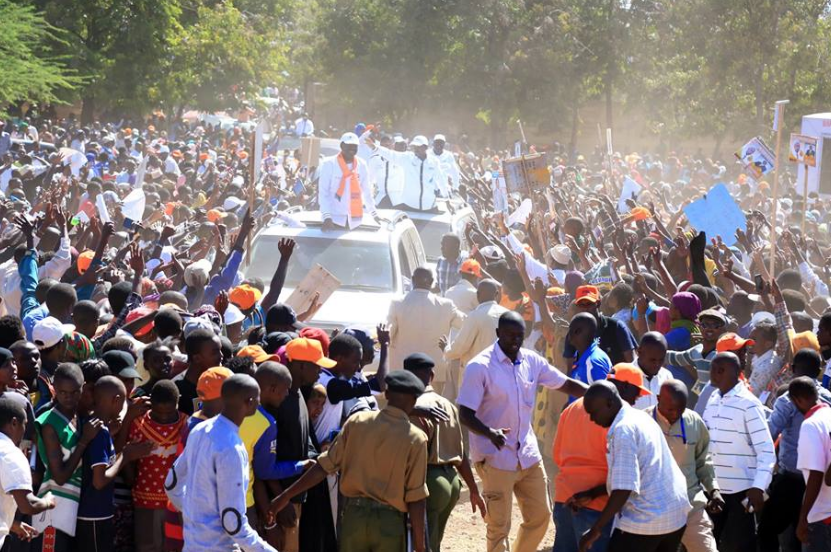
[28, 69]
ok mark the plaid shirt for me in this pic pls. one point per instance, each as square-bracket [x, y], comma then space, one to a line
[784, 330]
[640, 461]
[447, 273]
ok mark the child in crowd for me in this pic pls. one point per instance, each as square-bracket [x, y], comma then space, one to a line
[96, 530]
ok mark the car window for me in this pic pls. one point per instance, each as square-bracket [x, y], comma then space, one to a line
[431, 232]
[357, 264]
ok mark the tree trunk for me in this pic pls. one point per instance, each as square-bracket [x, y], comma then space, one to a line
[88, 110]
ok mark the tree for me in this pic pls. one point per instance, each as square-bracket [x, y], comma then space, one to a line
[28, 69]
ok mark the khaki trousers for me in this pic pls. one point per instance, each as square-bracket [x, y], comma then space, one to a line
[530, 486]
[698, 537]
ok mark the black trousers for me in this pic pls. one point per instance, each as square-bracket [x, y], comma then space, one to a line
[781, 510]
[734, 528]
[630, 542]
[95, 536]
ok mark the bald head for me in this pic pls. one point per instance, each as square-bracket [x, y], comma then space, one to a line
[272, 373]
[422, 278]
[487, 290]
[239, 387]
[654, 339]
[510, 318]
[584, 321]
[601, 390]
[109, 386]
[677, 390]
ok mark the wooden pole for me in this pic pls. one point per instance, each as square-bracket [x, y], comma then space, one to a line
[253, 184]
[804, 199]
[780, 120]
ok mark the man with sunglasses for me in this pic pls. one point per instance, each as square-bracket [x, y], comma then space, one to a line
[693, 365]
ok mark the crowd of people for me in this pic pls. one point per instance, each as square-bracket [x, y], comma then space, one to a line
[154, 399]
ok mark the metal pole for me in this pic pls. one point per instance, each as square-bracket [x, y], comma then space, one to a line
[779, 120]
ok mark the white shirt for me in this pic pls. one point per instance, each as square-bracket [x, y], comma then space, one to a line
[447, 162]
[15, 475]
[653, 385]
[329, 183]
[388, 178]
[332, 414]
[503, 393]
[463, 295]
[640, 461]
[304, 127]
[170, 166]
[423, 180]
[740, 440]
[814, 454]
[10, 277]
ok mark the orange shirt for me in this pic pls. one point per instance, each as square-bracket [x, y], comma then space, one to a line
[580, 453]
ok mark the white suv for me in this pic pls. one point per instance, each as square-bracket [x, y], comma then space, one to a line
[451, 217]
[374, 264]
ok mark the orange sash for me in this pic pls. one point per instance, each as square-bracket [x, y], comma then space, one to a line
[356, 204]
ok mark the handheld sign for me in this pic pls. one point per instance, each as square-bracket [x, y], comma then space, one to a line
[717, 214]
[318, 279]
[527, 171]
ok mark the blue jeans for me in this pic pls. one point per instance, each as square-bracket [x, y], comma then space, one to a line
[571, 525]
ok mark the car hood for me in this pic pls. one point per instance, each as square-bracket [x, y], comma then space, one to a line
[351, 308]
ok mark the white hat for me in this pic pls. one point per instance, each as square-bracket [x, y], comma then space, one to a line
[233, 315]
[762, 316]
[196, 274]
[350, 138]
[419, 140]
[492, 253]
[560, 253]
[233, 203]
[164, 149]
[438, 137]
[399, 139]
[48, 332]
[197, 323]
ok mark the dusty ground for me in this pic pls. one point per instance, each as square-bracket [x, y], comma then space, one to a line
[466, 530]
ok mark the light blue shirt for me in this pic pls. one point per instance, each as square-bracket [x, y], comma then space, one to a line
[786, 420]
[207, 483]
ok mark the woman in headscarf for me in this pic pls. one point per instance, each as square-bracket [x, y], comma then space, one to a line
[684, 332]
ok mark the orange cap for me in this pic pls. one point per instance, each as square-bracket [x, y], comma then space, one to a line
[804, 340]
[243, 154]
[631, 374]
[640, 213]
[245, 296]
[215, 215]
[587, 293]
[257, 353]
[204, 156]
[471, 266]
[168, 208]
[731, 342]
[209, 385]
[84, 260]
[554, 291]
[308, 350]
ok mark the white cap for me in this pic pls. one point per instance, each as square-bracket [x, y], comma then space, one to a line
[399, 139]
[492, 253]
[233, 203]
[350, 138]
[48, 332]
[419, 140]
[164, 149]
[762, 316]
[438, 137]
[233, 315]
[560, 253]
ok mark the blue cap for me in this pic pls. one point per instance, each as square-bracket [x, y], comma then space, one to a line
[360, 128]
[367, 342]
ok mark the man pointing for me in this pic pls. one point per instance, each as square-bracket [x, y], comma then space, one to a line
[496, 401]
[345, 188]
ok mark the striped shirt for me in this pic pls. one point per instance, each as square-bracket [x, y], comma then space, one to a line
[740, 441]
[640, 461]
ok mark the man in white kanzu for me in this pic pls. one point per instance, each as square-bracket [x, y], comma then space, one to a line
[447, 161]
[424, 180]
[345, 189]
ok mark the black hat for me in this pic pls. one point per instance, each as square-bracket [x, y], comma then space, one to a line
[402, 381]
[121, 363]
[273, 341]
[283, 315]
[418, 361]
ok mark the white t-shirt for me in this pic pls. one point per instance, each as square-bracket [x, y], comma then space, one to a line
[15, 475]
[814, 454]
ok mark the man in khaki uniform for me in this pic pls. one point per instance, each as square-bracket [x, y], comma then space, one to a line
[418, 320]
[447, 455]
[382, 460]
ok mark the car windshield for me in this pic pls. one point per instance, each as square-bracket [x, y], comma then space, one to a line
[431, 232]
[358, 265]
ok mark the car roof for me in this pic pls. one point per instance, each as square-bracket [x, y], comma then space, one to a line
[365, 232]
[444, 214]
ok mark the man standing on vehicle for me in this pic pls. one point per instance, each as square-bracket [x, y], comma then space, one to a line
[345, 188]
[424, 180]
[447, 161]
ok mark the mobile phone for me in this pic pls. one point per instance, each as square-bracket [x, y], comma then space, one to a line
[128, 223]
[760, 284]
